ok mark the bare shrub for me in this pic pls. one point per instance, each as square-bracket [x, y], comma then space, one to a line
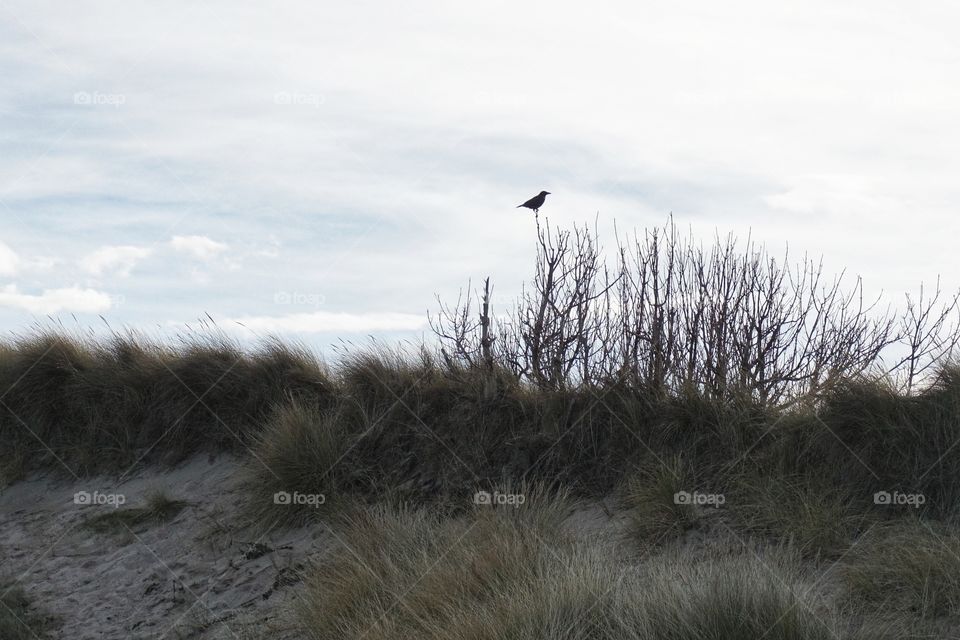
[665, 313]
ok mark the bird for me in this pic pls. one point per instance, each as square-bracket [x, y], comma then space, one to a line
[535, 202]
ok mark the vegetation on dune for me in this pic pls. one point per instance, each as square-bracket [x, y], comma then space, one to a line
[427, 430]
[867, 438]
[500, 574]
[649, 498]
[90, 405]
[298, 453]
[909, 566]
[819, 519]
[157, 509]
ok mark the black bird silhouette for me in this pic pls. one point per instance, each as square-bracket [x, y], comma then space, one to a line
[535, 202]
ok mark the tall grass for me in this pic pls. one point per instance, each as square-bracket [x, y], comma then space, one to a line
[502, 575]
[299, 452]
[818, 519]
[649, 496]
[910, 566]
[86, 405]
[867, 438]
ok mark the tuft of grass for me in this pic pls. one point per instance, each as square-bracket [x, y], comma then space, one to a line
[648, 495]
[709, 432]
[440, 565]
[301, 452]
[591, 596]
[157, 509]
[731, 598]
[909, 566]
[818, 520]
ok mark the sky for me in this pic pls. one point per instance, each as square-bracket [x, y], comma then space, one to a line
[322, 171]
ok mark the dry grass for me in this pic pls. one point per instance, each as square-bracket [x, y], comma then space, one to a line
[909, 566]
[158, 508]
[649, 497]
[97, 405]
[439, 565]
[819, 520]
[503, 574]
[298, 454]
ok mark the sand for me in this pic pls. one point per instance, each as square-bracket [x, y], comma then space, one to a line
[201, 575]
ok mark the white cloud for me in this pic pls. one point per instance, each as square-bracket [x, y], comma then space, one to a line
[120, 259]
[200, 247]
[326, 321]
[850, 194]
[55, 300]
[9, 261]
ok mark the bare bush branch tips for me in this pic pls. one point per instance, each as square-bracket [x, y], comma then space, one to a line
[667, 314]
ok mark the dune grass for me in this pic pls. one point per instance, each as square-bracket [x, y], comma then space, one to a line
[430, 430]
[96, 405]
[439, 563]
[297, 454]
[818, 519]
[868, 438]
[910, 566]
[649, 496]
[503, 574]
[158, 508]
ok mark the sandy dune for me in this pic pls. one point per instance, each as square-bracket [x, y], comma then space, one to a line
[201, 575]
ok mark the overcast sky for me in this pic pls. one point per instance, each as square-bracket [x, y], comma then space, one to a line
[322, 169]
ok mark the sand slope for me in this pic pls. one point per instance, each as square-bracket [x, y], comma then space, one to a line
[201, 575]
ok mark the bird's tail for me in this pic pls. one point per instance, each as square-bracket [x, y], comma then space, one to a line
[519, 205]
